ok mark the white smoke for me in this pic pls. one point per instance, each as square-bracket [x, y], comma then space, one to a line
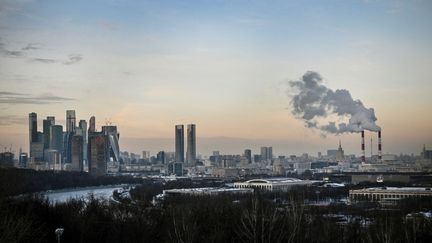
[312, 101]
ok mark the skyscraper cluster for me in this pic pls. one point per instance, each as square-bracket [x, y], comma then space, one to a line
[75, 149]
[191, 144]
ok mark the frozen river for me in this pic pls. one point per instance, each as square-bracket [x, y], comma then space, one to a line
[103, 192]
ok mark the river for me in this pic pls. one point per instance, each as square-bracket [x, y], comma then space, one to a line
[101, 192]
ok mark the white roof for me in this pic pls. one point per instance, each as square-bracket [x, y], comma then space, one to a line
[396, 189]
[275, 181]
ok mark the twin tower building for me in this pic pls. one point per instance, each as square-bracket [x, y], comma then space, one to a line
[191, 144]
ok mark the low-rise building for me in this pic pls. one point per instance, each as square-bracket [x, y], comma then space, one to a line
[273, 184]
[388, 193]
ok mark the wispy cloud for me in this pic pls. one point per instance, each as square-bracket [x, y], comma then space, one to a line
[9, 53]
[7, 97]
[32, 46]
[22, 53]
[11, 6]
[73, 58]
[43, 60]
[6, 120]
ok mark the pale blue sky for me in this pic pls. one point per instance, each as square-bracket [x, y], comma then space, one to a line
[147, 65]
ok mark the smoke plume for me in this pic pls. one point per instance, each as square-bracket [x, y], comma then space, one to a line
[312, 102]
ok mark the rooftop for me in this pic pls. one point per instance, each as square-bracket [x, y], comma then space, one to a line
[396, 189]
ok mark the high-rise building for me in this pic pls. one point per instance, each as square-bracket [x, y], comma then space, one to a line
[266, 153]
[70, 121]
[179, 143]
[146, 155]
[340, 153]
[191, 144]
[113, 142]
[97, 154]
[92, 124]
[77, 153]
[33, 134]
[83, 126]
[160, 157]
[248, 155]
[36, 138]
[56, 138]
[47, 123]
[67, 146]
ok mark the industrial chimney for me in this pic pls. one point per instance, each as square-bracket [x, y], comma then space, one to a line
[379, 146]
[363, 147]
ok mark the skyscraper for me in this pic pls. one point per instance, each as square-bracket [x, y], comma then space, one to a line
[97, 154]
[56, 138]
[36, 145]
[266, 153]
[179, 143]
[33, 136]
[248, 155]
[70, 121]
[47, 123]
[92, 124]
[83, 127]
[191, 144]
[77, 153]
[160, 157]
[340, 153]
[112, 142]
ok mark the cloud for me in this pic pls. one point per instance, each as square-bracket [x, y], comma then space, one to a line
[7, 97]
[9, 53]
[6, 120]
[32, 46]
[10, 93]
[43, 60]
[73, 58]
[12, 6]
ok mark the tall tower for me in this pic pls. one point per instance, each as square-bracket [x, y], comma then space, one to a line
[340, 156]
[77, 153]
[248, 155]
[179, 143]
[191, 144]
[83, 127]
[47, 123]
[92, 124]
[33, 134]
[56, 138]
[70, 121]
[33, 127]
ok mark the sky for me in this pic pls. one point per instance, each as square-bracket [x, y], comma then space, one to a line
[224, 65]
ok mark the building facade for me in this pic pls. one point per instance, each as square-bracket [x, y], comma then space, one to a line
[77, 153]
[179, 143]
[191, 145]
[70, 121]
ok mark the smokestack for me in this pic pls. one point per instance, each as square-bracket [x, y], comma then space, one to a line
[379, 145]
[363, 146]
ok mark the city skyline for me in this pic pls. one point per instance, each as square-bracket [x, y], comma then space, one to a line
[225, 66]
